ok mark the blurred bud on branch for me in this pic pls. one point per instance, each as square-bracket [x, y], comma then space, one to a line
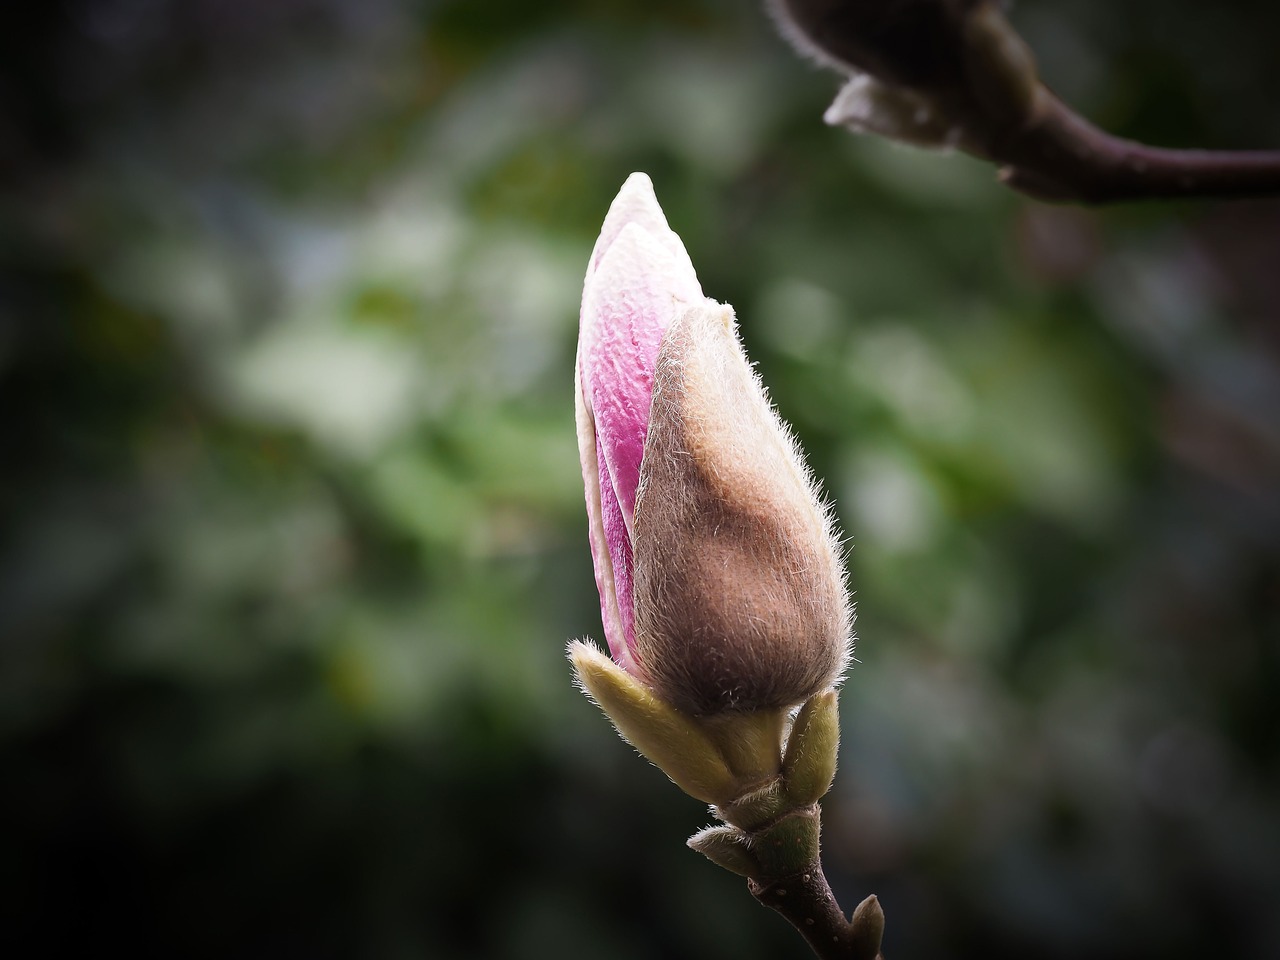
[954, 73]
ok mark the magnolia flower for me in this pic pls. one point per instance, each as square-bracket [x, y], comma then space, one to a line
[721, 583]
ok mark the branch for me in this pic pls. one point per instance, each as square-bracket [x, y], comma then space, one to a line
[806, 900]
[1064, 157]
[784, 872]
[954, 73]
[772, 837]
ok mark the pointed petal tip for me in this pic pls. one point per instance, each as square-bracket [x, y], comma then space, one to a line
[635, 203]
[637, 182]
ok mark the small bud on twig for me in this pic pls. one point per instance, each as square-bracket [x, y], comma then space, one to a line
[955, 73]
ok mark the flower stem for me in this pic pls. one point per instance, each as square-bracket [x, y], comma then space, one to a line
[791, 881]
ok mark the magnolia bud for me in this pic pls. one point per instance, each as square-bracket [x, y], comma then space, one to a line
[720, 577]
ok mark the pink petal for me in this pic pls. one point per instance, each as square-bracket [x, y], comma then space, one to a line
[629, 301]
[601, 554]
[636, 204]
[620, 558]
[638, 280]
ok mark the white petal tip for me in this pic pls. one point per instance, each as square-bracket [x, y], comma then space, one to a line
[638, 181]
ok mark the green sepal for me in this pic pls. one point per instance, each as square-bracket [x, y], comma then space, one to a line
[809, 764]
[750, 742]
[669, 738]
[727, 847]
[753, 810]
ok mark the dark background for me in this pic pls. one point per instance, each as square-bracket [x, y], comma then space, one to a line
[291, 531]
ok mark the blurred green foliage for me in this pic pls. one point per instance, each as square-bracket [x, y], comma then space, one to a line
[292, 527]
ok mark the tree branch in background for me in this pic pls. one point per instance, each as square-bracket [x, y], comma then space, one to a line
[954, 73]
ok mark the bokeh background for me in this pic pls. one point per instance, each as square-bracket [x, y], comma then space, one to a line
[292, 534]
